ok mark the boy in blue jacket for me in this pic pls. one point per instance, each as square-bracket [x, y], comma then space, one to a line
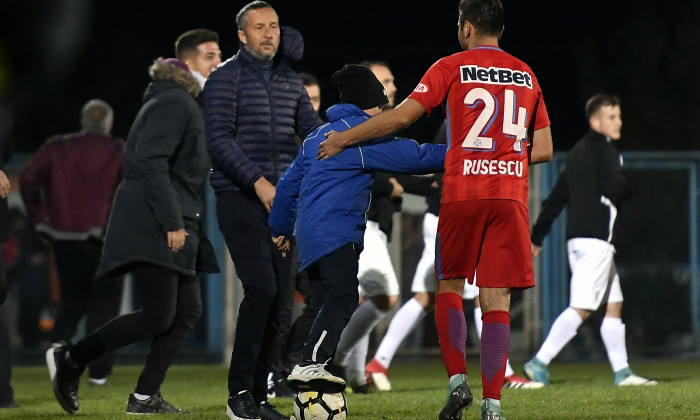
[327, 201]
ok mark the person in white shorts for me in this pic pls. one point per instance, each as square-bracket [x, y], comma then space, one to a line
[405, 320]
[379, 291]
[591, 186]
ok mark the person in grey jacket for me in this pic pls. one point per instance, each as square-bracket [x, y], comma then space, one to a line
[154, 231]
[254, 103]
[591, 187]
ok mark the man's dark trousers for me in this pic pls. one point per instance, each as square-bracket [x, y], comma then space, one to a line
[81, 294]
[264, 273]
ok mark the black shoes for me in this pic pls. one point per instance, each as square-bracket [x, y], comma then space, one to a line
[153, 405]
[268, 412]
[365, 388]
[65, 377]
[277, 386]
[242, 407]
[460, 396]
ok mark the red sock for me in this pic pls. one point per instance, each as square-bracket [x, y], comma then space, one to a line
[495, 341]
[452, 332]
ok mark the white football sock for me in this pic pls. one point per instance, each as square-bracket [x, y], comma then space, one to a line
[494, 403]
[355, 369]
[403, 322]
[479, 324]
[477, 320]
[562, 331]
[141, 397]
[362, 322]
[612, 331]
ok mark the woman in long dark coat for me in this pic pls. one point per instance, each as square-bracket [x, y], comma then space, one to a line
[155, 233]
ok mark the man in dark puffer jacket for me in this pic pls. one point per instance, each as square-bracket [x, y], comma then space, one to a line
[253, 104]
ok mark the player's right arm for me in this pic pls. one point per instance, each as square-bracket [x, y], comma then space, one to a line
[541, 148]
[380, 125]
[403, 156]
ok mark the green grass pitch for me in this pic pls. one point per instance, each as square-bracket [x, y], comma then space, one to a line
[578, 391]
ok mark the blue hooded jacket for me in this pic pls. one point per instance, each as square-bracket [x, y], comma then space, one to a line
[328, 199]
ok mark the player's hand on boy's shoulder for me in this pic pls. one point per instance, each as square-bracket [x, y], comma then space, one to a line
[331, 146]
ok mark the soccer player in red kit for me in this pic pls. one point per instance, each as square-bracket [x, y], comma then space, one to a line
[497, 126]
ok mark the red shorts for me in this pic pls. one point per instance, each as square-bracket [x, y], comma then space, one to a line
[488, 237]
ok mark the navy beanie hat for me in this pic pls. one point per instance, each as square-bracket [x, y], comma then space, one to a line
[359, 86]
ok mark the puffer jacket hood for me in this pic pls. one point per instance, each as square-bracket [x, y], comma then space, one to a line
[339, 111]
[291, 44]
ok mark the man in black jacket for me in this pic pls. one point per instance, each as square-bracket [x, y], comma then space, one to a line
[254, 104]
[591, 187]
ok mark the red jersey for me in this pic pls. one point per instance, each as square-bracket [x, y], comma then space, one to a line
[493, 106]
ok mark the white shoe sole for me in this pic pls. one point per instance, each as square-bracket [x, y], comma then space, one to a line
[637, 381]
[381, 382]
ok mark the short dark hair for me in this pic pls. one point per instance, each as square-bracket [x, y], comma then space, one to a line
[486, 15]
[598, 101]
[308, 79]
[242, 14]
[187, 43]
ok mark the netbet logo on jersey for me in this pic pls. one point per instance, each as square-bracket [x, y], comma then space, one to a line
[495, 76]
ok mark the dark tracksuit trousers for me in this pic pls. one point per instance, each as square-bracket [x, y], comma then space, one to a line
[264, 274]
[83, 295]
[286, 312]
[333, 282]
[171, 305]
[293, 340]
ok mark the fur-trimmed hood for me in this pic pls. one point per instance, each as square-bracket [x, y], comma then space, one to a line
[162, 70]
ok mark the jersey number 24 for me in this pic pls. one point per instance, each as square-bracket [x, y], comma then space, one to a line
[476, 138]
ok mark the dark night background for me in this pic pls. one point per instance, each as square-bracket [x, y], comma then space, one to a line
[57, 54]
